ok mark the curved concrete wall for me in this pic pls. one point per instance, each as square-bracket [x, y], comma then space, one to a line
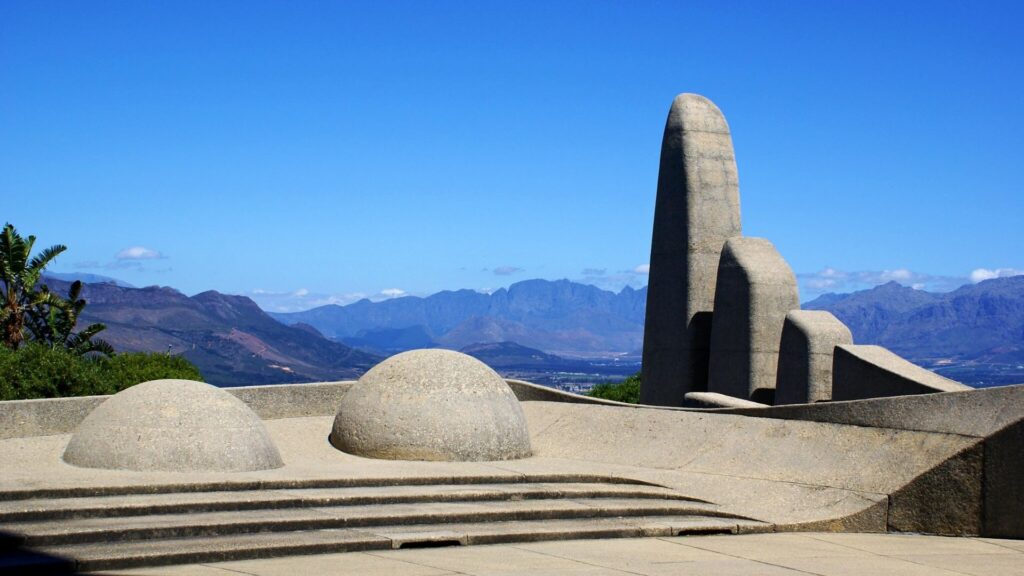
[771, 466]
[44, 417]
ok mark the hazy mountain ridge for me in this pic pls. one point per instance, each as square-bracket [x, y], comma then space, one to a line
[559, 317]
[974, 334]
[974, 325]
[230, 339]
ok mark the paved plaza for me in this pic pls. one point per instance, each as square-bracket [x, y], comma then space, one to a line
[822, 554]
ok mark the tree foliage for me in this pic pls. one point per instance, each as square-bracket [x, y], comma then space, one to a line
[626, 391]
[127, 369]
[41, 354]
[36, 370]
[30, 311]
[19, 275]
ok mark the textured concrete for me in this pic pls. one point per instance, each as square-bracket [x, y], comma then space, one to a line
[19, 418]
[976, 413]
[823, 554]
[809, 338]
[865, 460]
[173, 425]
[597, 471]
[755, 291]
[293, 400]
[993, 415]
[714, 400]
[945, 500]
[1004, 491]
[431, 405]
[864, 371]
[696, 211]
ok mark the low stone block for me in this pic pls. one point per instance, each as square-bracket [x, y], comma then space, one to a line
[754, 291]
[713, 400]
[809, 338]
[865, 371]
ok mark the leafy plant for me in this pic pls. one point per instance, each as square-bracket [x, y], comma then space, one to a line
[36, 370]
[626, 391]
[54, 322]
[18, 278]
[128, 369]
[28, 312]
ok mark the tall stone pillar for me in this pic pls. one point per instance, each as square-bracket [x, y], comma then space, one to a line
[696, 211]
[756, 289]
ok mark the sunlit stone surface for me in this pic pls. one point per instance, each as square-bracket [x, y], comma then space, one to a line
[431, 405]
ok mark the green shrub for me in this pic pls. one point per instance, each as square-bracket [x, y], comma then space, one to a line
[626, 391]
[128, 369]
[39, 371]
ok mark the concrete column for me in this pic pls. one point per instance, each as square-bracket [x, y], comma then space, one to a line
[696, 211]
[809, 337]
[755, 291]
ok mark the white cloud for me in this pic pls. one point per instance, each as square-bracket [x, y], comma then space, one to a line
[139, 253]
[899, 275]
[642, 269]
[813, 284]
[393, 292]
[979, 274]
[506, 270]
[301, 299]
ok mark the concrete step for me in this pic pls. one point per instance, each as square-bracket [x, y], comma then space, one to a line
[241, 485]
[106, 527]
[115, 555]
[206, 524]
[180, 503]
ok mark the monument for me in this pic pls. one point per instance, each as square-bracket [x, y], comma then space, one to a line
[431, 448]
[754, 292]
[696, 210]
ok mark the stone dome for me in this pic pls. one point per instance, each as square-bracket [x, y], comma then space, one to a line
[174, 426]
[431, 405]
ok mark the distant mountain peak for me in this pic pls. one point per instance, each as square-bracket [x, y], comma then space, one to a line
[555, 315]
[971, 327]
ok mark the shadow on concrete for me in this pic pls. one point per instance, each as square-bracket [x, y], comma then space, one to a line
[16, 559]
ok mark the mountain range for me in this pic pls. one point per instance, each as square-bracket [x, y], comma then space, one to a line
[974, 334]
[559, 317]
[229, 338]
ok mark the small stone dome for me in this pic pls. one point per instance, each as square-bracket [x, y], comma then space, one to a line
[174, 426]
[431, 405]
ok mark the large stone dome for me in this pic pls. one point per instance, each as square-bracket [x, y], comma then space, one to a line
[176, 426]
[431, 405]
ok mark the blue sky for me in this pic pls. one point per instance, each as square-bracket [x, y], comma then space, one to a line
[305, 153]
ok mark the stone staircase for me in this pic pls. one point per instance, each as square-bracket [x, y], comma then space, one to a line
[88, 529]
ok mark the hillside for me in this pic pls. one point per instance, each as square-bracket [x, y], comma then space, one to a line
[229, 338]
[559, 317]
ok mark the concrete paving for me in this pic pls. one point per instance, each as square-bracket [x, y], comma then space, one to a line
[821, 554]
